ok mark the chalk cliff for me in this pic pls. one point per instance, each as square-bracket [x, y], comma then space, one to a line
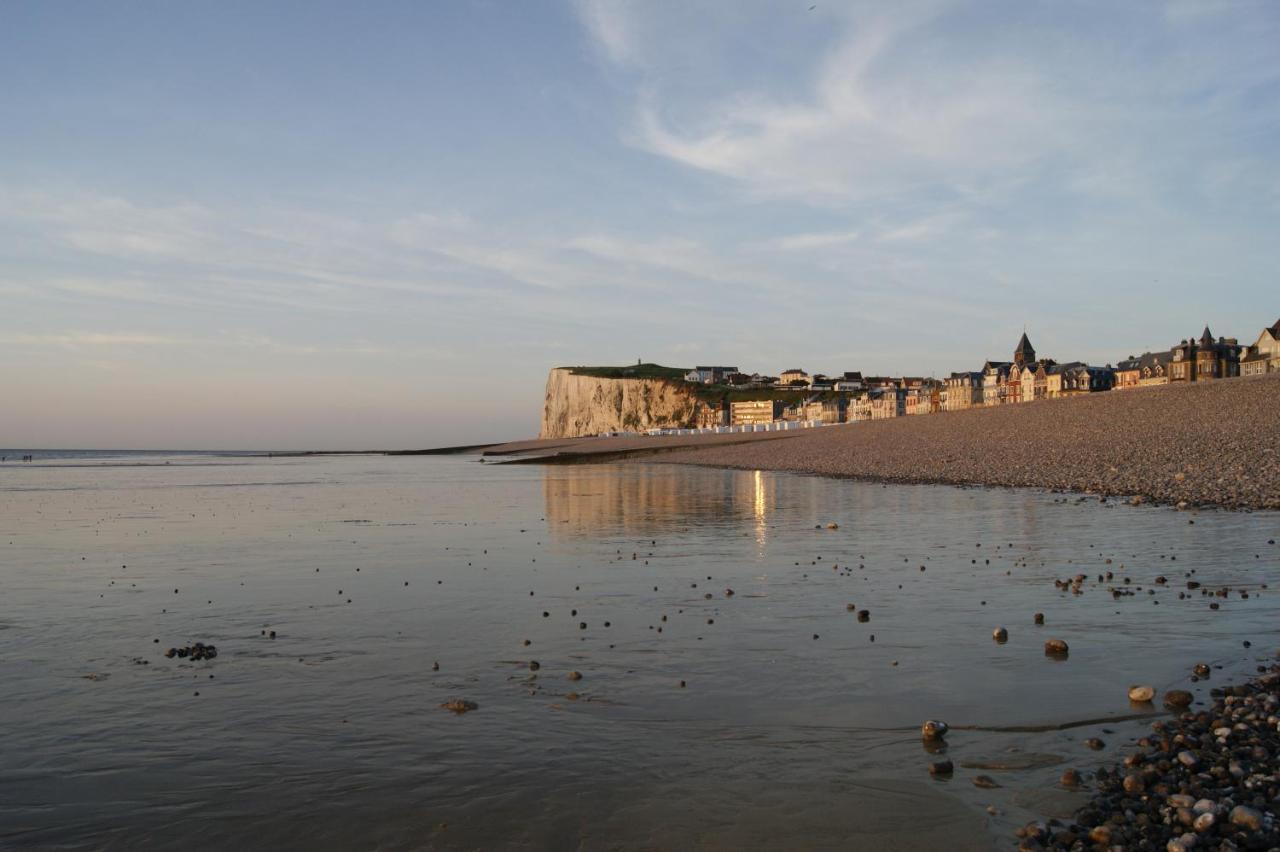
[579, 405]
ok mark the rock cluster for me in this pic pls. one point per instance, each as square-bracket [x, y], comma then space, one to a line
[195, 651]
[1203, 780]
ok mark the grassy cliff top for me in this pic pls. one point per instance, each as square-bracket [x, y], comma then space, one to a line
[633, 371]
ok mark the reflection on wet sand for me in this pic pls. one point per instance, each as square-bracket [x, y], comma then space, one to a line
[586, 500]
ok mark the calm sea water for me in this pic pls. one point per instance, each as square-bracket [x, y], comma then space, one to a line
[794, 727]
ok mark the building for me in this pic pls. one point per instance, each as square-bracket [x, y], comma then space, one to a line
[826, 410]
[859, 409]
[1149, 368]
[1264, 355]
[709, 375]
[1078, 378]
[922, 396]
[788, 377]
[888, 402]
[1026, 391]
[995, 380]
[1016, 380]
[914, 402]
[881, 382]
[754, 411]
[964, 390]
[851, 381]
[1127, 372]
[708, 415]
[1205, 359]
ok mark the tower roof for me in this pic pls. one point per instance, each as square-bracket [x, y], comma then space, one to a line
[1025, 353]
[1207, 337]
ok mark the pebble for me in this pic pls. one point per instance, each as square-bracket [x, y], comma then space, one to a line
[1000, 634]
[1056, 648]
[934, 730]
[1199, 780]
[1178, 698]
[941, 768]
[1246, 817]
[1141, 694]
[459, 705]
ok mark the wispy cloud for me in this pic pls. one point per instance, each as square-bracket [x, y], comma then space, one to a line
[897, 106]
[817, 240]
[75, 339]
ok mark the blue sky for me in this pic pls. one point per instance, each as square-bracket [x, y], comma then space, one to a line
[340, 225]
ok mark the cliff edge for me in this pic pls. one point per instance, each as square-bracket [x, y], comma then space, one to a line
[578, 403]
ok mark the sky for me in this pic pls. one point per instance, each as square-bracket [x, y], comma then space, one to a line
[378, 225]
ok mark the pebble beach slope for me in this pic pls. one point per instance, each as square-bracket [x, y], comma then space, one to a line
[1203, 444]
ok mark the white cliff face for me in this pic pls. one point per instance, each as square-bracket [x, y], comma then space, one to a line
[587, 405]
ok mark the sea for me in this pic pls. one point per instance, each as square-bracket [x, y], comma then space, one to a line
[656, 656]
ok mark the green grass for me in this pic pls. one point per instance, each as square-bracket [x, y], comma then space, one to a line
[635, 371]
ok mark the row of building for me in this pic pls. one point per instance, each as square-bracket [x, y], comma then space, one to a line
[1026, 378]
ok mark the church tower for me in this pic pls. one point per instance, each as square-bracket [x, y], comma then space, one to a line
[1025, 353]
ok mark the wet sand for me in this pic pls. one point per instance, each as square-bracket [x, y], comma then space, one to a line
[729, 697]
[572, 450]
[1205, 444]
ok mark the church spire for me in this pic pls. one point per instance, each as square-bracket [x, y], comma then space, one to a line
[1025, 353]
